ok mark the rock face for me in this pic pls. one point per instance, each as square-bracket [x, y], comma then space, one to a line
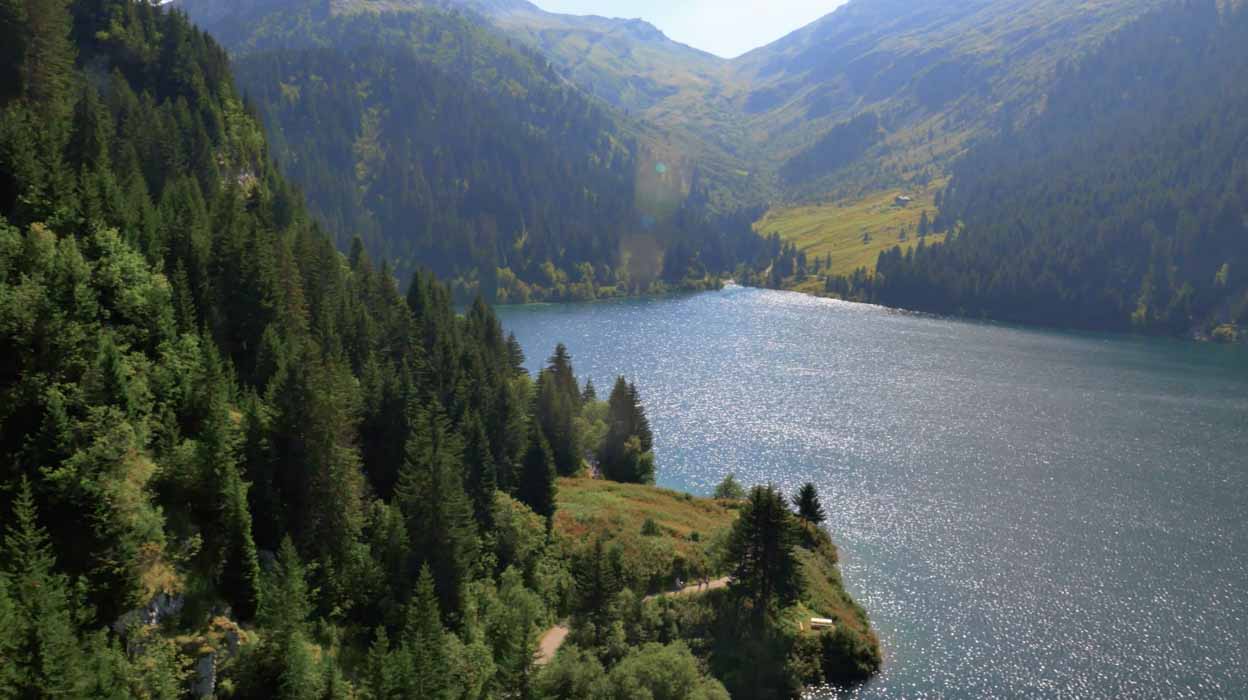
[205, 684]
[158, 609]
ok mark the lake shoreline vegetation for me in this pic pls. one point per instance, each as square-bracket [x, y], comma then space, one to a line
[239, 462]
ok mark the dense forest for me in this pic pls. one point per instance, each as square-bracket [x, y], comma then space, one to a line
[1123, 205]
[445, 145]
[238, 462]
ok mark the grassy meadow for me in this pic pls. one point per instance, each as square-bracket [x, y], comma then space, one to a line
[683, 527]
[838, 228]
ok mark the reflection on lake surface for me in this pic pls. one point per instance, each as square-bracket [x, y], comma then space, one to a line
[1023, 512]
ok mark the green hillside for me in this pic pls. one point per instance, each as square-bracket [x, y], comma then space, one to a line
[1122, 205]
[448, 146]
[853, 235]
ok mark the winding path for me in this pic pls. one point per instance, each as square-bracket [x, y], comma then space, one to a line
[554, 637]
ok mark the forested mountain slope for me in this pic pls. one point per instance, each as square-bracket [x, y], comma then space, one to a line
[236, 462]
[1123, 205]
[448, 146]
[930, 73]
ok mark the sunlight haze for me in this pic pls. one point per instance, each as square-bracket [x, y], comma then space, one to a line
[725, 28]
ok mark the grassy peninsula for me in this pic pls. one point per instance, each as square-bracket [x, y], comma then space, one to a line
[634, 547]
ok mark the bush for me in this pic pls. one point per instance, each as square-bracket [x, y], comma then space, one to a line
[729, 489]
[848, 657]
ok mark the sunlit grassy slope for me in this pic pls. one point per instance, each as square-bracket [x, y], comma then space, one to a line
[593, 508]
[692, 528]
[838, 228]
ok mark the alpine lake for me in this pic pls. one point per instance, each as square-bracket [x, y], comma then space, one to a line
[1023, 512]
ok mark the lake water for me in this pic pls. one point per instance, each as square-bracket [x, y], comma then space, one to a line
[1024, 513]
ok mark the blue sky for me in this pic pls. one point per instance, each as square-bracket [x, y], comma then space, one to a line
[726, 28]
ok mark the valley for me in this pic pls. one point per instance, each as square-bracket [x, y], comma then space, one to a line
[461, 350]
[620, 162]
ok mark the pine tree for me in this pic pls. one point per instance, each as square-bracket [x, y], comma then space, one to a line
[765, 571]
[109, 382]
[10, 634]
[515, 355]
[558, 404]
[589, 394]
[240, 567]
[560, 366]
[438, 513]
[479, 466]
[597, 584]
[425, 672]
[641, 424]
[47, 71]
[626, 450]
[13, 38]
[285, 604]
[537, 478]
[808, 506]
[383, 677]
[89, 142]
[45, 660]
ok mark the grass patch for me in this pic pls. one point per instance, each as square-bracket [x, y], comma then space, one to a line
[653, 530]
[654, 527]
[838, 228]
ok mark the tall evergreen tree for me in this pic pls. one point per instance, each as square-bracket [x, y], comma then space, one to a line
[438, 511]
[425, 672]
[515, 355]
[558, 404]
[626, 453]
[537, 486]
[482, 481]
[808, 506]
[45, 659]
[285, 605]
[765, 571]
[47, 69]
[240, 566]
[597, 584]
[13, 38]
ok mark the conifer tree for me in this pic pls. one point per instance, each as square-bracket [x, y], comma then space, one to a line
[515, 355]
[47, 69]
[482, 481]
[240, 566]
[765, 571]
[558, 405]
[438, 513]
[626, 450]
[45, 657]
[537, 479]
[383, 677]
[425, 672]
[13, 38]
[589, 394]
[597, 584]
[560, 366]
[10, 632]
[641, 424]
[285, 604]
[808, 506]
